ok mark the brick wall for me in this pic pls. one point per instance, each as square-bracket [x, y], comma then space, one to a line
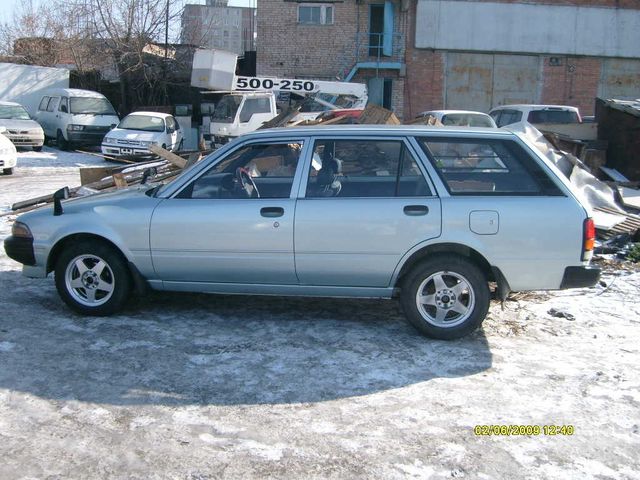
[571, 81]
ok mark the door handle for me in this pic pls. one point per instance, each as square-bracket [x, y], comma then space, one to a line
[272, 212]
[416, 210]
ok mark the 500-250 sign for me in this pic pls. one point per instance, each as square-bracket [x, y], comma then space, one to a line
[256, 83]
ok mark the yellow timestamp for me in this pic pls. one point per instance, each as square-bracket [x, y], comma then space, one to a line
[531, 430]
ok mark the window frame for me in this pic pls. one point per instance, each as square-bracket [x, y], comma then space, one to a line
[323, 13]
[305, 141]
[302, 189]
[552, 190]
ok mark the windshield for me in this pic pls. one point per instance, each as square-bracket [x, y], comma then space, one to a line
[226, 109]
[91, 105]
[144, 123]
[16, 112]
[553, 116]
[467, 120]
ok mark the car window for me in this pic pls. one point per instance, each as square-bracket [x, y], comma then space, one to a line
[364, 168]
[266, 169]
[507, 117]
[487, 167]
[553, 116]
[53, 103]
[64, 101]
[43, 103]
[254, 105]
[171, 123]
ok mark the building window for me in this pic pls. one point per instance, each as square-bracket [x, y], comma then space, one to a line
[315, 14]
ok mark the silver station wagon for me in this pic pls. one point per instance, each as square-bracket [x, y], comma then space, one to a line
[427, 215]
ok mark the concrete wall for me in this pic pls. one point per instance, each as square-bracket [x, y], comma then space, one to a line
[527, 27]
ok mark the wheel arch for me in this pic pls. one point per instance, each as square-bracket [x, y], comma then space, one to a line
[491, 273]
[58, 247]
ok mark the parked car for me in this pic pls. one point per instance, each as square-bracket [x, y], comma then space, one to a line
[8, 154]
[337, 211]
[137, 131]
[75, 117]
[535, 114]
[460, 118]
[21, 129]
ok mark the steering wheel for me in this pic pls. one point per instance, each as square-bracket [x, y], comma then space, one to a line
[246, 182]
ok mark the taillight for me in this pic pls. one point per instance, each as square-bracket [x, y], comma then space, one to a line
[589, 239]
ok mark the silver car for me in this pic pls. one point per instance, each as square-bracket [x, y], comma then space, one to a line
[22, 130]
[427, 215]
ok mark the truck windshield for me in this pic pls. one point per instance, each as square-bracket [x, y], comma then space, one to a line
[144, 123]
[91, 106]
[226, 109]
[16, 112]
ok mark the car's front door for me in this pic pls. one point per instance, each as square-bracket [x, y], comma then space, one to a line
[234, 222]
[367, 203]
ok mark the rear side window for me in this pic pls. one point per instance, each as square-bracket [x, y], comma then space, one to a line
[364, 168]
[53, 103]
[487, 167]
[43, 103]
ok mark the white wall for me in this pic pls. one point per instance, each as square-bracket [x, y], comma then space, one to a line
[527, 28]
[25, 84]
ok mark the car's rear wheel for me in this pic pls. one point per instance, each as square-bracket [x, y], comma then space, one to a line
[446, 297]
[92, 278]
[7, 171]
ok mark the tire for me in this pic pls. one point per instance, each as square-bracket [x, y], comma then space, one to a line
[37, 149]
[82, 292]
[445, 297]
[62, 143]
[7, 171]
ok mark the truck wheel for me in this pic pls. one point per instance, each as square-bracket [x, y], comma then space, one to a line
[446, 297]
[61, 141]
[92, 278]
[7, 171]
[37, 149]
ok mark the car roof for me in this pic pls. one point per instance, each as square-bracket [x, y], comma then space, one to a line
[448, 112]
[73, 92]
[383, 130]
[11, 104]
[526, 106]
[151, 114]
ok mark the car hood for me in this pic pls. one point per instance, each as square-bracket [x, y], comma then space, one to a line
[12, 124]
[122, 134]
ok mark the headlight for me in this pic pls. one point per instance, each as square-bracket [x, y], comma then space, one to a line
[5, 151]
[75, 127]
[148, 144]
[108, 140]
[19, 229]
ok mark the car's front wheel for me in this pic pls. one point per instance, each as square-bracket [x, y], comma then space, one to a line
[92, 278]
[445, 297]
[7, 171]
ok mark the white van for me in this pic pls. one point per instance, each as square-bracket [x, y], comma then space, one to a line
[75, 117]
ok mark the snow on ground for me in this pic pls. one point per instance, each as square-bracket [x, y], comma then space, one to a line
[201, 387]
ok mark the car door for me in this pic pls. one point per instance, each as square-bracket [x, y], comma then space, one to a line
[42, 116]
[215, 230]
[366, 202]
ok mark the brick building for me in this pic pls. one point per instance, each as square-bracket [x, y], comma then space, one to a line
[417, 55]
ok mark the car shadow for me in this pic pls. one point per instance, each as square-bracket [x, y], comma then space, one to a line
[180, 349]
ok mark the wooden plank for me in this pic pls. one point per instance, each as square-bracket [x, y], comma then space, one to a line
[376, 115]
[176, 160]
[93, 174]
[119, 180]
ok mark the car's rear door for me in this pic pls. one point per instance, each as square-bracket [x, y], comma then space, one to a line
[364, 202]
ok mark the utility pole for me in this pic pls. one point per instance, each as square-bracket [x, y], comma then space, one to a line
[166, 53]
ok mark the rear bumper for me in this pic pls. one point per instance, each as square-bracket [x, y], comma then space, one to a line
[579, 277]
[20, 249]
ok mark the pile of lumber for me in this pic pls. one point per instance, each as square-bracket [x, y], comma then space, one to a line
[103, 179]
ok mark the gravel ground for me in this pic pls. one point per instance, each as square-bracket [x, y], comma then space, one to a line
[201, 387]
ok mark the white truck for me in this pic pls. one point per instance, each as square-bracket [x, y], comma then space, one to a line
[248, 102]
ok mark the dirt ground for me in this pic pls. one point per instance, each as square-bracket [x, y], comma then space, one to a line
[197, 387]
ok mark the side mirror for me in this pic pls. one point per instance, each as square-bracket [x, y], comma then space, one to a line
[148, 172]
[63, 108]
[170, 130]
[58, 196]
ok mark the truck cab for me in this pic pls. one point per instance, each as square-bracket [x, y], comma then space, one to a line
[242, 112]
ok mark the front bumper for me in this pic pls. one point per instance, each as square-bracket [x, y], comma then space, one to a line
[20, 249]
[126, 152]
[8, 161]
[26, 140]
[579, 277]
[85, 138]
